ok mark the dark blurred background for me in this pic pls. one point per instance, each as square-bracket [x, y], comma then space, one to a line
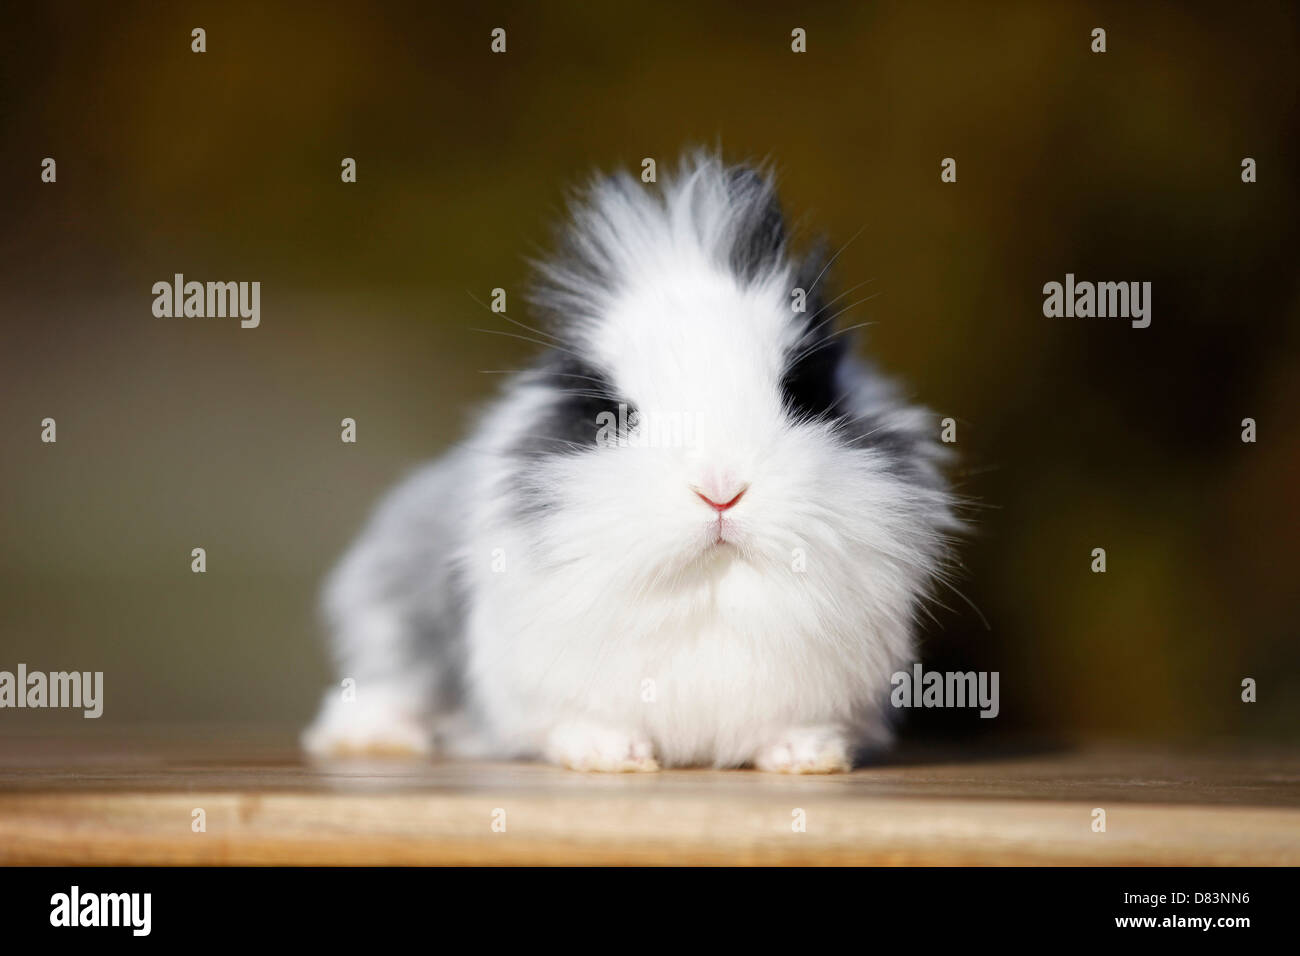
[1073, 433]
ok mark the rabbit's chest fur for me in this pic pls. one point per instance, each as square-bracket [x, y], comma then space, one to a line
[707, 674]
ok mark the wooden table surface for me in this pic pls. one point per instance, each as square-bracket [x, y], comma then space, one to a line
[131, 799]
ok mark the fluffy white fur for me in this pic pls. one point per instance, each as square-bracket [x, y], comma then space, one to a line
[584, 604]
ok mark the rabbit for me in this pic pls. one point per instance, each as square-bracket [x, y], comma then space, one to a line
[737, 593]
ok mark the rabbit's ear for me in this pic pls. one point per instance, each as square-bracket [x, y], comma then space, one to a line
[759, 242]
[812, 274]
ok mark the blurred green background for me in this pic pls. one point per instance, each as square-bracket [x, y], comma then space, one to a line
[1073, 434]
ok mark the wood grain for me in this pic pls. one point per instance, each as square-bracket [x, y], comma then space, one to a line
[130, 801]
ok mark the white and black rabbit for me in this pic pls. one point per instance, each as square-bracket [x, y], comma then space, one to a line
[740, 596]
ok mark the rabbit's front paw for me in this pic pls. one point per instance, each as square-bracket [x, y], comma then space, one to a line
[593, 747]
[806, 750]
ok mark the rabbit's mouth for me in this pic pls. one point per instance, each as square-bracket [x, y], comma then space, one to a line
[723, 532]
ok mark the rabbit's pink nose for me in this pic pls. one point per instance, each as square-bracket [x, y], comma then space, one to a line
[720, 507]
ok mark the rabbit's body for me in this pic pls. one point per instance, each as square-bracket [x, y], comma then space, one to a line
[740, 594]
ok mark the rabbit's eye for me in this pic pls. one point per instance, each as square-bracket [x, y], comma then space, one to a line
[809, 383]
[584, 403]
